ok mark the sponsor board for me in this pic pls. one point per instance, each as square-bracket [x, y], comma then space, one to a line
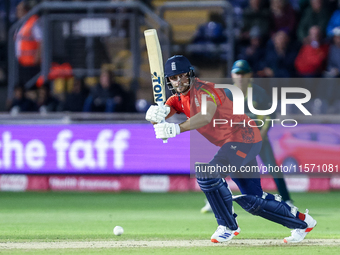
[335, 183]
[112, 149]
[9, 182]
[89, 149]
[154, 183]
[146, 183]
[13, 182]
[84, 183]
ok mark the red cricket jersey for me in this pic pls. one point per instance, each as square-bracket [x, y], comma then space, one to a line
[221, 133]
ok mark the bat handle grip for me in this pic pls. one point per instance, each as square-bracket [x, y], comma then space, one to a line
[161, 104]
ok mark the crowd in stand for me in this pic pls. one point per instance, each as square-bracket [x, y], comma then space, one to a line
[282, 38]
[279, 39]
[289, 39]
[105, 96]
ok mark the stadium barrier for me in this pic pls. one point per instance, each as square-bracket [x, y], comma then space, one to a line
[144, 183]
[118, 152]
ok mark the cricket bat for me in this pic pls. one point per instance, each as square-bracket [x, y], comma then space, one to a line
[156, 67]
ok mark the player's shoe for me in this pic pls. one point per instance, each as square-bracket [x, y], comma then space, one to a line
[206, 208]
[224, 234]
[299, 234]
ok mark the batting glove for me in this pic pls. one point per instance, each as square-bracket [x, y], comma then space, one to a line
[166, 130]
[156, 113]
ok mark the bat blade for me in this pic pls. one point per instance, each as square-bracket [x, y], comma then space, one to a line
[156, 65]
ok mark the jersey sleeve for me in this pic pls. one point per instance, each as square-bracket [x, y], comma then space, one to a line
[174, 102]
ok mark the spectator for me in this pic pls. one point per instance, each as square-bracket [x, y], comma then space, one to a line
[280, 56]
[238, 7]
[254, 16]
[282, 16]
[333, 23]
[20, 103]
[333, 66]
[312, 56]
[74, 101]
[45, 101]
[328, 91]
[211, 32]
[255, 52]
[206, 38]
[28, 44]
[315, 15]
[106, 96]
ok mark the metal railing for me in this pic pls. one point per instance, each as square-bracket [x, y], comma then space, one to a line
[51, 11]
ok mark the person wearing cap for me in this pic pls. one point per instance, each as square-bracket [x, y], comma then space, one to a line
[239, 144]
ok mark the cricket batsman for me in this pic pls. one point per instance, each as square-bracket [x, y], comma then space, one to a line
[242, 75]
[239, 146]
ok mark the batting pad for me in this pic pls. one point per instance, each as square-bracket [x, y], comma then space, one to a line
[220, 198]
[270, 209]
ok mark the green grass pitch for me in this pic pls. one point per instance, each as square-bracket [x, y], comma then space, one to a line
[86, 217]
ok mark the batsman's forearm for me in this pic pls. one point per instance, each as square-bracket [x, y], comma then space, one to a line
[195, 122]
[171, 113]
[199, 120]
